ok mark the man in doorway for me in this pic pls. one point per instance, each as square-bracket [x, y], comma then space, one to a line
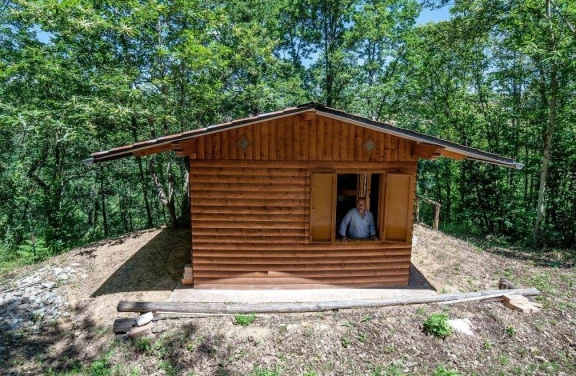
[361, 223]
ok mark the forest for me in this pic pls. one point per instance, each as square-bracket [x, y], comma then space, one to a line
[83, 76]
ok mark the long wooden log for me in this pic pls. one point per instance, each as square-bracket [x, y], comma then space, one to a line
[235, 308]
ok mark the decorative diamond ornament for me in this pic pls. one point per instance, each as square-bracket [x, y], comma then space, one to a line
[369, 145]
[243, 143]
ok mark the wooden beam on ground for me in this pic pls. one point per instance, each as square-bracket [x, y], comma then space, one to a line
[236, 308]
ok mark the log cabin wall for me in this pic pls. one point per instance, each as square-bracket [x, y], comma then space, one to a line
[250, 203]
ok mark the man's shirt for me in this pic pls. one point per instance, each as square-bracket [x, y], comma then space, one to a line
[359, 227]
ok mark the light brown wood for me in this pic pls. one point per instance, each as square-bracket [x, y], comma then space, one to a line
[398, 201]
[264, 141]
[426, 151]
[379, 266]
[307, 165]
[198, 209]
[240, 260]
[382, 248]
[452, 155]
[234, 308]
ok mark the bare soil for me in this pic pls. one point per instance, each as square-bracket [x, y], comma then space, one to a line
[388, 341]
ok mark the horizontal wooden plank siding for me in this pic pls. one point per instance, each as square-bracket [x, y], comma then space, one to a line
[250, 224]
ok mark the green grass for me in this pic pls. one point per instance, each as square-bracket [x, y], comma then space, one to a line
[443, 371]
[510, 331]
[244, 320]
[437, 325]
[265, 372]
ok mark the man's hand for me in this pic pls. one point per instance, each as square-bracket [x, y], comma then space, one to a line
[374, 237]
[344, 239]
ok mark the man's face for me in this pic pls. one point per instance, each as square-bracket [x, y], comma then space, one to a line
[361, 206]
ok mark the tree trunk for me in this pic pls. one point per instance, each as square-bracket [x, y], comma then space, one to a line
[143, 180]
[166, 199]
[103, 203]
[548, 134]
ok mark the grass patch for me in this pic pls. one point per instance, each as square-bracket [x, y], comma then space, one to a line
[244, 320]
[443, 371]
[437, 325]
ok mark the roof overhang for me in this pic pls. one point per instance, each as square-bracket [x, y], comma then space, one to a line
[167, 142]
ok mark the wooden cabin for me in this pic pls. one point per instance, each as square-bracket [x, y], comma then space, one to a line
[268, 194]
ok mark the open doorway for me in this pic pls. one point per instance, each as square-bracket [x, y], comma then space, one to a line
[349, 188]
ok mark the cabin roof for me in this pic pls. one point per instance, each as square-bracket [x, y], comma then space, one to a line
[167, 141]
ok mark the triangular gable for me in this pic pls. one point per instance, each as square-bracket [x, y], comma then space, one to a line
[425, 146]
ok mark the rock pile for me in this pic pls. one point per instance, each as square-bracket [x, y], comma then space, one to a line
[34, 301]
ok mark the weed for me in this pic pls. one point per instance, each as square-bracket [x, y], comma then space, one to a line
[487, 344]
[134, 372]
[348, 324]
[281, 356]
[510, 331]
[345, 342]
[100, 367]
[388, 349]
[361, 337]
[508, 272]
[265, 372]
[143, 345]
[244, 320]
[310, 373]
[420, 311]
[443, 371]
[504, 360]
[366, 318]
[167, 367]
[542, 281]
[437, 325]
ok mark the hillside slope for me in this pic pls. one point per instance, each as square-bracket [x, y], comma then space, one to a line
[147, 265]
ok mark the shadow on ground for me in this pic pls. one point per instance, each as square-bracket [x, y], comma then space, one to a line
[156, 266]
[417, 281]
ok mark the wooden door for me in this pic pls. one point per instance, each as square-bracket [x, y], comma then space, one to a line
[398, 207]
[322, 207]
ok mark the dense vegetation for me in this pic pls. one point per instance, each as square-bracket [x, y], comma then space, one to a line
[82, 76]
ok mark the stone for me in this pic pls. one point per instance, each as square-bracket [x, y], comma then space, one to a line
[159, 327]
[144, 319]
[49, 285]
[23, 306]
[57, 271]
[62, 276]
[461, 325]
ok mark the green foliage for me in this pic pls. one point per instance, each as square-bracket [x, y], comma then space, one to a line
[510, 330]
[443, 371]
[78, 77]
[437, 325]
[143, 344]
[244, 320]
[345, 342]
[258, 371]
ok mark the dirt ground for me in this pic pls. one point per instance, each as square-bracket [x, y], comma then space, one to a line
[388, 341]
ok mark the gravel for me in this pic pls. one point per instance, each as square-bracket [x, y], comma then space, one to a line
[34, 301]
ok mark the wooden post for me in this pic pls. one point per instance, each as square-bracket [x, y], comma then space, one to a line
[437, 207]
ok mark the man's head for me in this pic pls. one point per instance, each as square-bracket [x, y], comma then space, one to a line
[361, 205]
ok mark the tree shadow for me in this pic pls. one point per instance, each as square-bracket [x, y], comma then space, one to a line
[562, 259]
[157, 266]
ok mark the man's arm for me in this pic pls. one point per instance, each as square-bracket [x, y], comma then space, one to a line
[372, 227]
[344, 224]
